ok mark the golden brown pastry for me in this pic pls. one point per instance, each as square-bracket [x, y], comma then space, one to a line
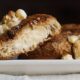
[28, 35]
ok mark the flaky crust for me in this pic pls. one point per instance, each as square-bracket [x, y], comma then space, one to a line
[27, 35]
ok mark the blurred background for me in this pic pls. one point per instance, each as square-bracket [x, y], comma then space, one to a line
[66, 11]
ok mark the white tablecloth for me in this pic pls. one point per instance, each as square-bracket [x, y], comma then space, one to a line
[41, 77]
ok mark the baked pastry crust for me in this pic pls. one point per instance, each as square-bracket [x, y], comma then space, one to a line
[28, 34]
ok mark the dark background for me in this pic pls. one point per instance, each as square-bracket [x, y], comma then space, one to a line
[66, 11]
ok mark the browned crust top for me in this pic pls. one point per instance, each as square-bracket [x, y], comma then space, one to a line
[37, 19]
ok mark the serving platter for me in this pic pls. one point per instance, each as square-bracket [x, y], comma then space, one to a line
[32, 67]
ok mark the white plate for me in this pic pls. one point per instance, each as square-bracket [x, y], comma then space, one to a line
[39, 66]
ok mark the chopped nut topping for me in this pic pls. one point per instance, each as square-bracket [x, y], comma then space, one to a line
[67, 57]
[21, 14]
[73, 38]
[12, 19]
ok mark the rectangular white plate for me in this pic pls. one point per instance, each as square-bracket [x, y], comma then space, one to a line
[39, 66]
